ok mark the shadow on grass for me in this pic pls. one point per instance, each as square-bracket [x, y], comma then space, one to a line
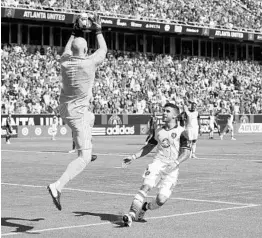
[113, 218]
[8, 221]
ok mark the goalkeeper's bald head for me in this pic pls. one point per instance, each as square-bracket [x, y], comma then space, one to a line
[79, 46]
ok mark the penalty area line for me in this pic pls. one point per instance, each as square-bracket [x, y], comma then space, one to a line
[149, 218]
[132, 194]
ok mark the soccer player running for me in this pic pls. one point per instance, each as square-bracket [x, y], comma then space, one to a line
[152, 125]
[78, 74]
[54, 127]
[8, 128]
[173, 148]
[229, 126]
[213, 124]
[192, 124]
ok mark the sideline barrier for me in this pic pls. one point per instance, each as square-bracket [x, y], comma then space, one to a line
[109, 125]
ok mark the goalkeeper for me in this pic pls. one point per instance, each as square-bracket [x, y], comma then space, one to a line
[78, 74]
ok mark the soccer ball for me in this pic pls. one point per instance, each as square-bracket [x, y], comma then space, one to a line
[84, 22]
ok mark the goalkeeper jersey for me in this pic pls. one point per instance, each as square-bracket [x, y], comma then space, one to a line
[78, 74]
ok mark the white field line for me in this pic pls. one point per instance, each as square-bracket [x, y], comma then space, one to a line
[126, 154]
[107, 223]
[131, 194]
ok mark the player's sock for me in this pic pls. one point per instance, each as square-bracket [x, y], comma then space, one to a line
[193, 148]
[153, 205]
[72, 170]
[137, 202]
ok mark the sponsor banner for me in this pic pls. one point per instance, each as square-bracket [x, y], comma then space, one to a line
[258, 37]
[14, 132]
[191, 30]
[68, 18]
[250, 128]
[43, 131]
[258, 118]
[228, 34]
[40, 15]
[123, 130]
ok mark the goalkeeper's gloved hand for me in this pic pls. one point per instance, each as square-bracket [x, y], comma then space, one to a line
[96, 21]
[128, 160]
[77, 31]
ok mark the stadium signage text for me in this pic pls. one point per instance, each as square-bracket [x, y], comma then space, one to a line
[231, 34]
[153, 26]
[44, 15]
[135, 24]
[250, 128]
[123, 130]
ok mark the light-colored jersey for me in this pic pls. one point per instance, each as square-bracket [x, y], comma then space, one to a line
[230, 119]
[212, 120]
[192, 119]
[169, 143]
[78, 76]
[54, 124]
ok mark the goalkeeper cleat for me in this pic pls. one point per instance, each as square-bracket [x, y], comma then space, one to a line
[233, 138]
[127, 219]
[193, 156]
[141, 214]
[55, 194]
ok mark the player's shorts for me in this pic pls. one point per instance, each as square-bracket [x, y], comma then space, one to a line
[82, 130]
[211, 126]
[192, 133]
[155, 176]
[8, 130]
[229, 127]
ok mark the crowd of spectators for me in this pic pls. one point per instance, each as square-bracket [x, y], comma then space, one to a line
[226, 13]
[131, 82]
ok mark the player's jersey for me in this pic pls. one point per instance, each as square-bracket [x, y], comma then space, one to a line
[212, 120]
[78, 76]
[191, 119]
[54, 124]
[230, 119]
[169, 143]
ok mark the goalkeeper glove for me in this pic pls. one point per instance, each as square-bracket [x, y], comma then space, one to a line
[96, 21]
[77, 32]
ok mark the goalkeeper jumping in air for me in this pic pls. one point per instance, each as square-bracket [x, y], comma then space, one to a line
[78, 74]
[173, 148]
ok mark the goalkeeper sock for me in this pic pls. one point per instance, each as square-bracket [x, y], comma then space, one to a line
[72, 170]
[137, 202]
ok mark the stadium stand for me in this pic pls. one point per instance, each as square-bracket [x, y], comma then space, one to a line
[130, 82]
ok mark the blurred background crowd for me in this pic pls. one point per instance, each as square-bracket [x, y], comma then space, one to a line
[130, 82]
[237, 14]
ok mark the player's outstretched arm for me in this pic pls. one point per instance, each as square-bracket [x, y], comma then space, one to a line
[100, 54]
[77, 32]
[142, 152]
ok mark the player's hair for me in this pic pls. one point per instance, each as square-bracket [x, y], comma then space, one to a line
[169, 104]
[79, 45]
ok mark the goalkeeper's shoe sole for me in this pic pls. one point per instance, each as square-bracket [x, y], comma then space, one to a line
[94, 157]
[127, 219]
[56, 199]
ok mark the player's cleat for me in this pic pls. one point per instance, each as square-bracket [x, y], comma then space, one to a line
[193, 156]
[233, 138]
[211, 138]
[71, 151]
[94, 157]
[127, 219]
[8, 142]
[141, 214]
[55, 194]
